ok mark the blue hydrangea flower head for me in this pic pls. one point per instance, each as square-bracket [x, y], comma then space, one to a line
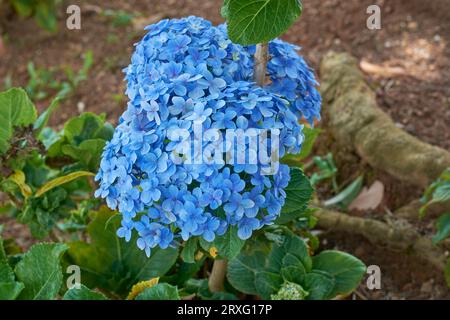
[189, 86]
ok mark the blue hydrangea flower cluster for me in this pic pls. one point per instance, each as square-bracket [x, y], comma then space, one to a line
[186, 72]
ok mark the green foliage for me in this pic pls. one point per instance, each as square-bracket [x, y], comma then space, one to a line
[37, 275]
[326, 169]
[9, 287]
[43, 11]
[161, 291]
[40, 271]
[259, 21]
[298, 195]
[16, 110]
[346, 196]
[43, 186]
[443, 228]
[264, 271]
[119, 18]
[229, 245]
[83, 293]
[44, 81]
[112, 264]
[82, 140]
[311, 135]
[437, 192]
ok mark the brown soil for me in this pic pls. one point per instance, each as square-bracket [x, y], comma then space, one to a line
[414, 36]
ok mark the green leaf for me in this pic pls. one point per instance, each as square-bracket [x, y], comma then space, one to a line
[267, 283]
[112, 264]
[256, 272]
[242, 271]
[298, 195]
[40, 271]
[311, 135]
[437, 192]
[292, 245]
[319, 285]
[62, 180]
[292, 269]
[346, 196]
[87, 126]
[88, 153]
[346, 269]
[259, 21]
[24, 8]
[16, 110]
[42, 120]
[45, 14]
[9, 287]
[229, 245]
[443, 228]
[83, 293]
[189, 250]
[161, 291]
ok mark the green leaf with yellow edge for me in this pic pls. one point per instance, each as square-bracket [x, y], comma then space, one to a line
[62, 180]
[16, 110]
[40, 271]
[18, 177]
[139, 287]
[112, 264]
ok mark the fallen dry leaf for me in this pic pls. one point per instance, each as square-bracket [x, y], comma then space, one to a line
[369, 198]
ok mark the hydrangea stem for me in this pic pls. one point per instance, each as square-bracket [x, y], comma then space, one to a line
[217, 277]
[261, 57]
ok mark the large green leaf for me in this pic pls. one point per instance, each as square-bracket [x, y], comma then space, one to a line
[161, 291]
[16, 110]
[229, 245]
[40, 271]
[298, 195]
[83, 293]
[259, 21]
[9, 287]
[243, 269]
[110, 263]
[346, 269]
